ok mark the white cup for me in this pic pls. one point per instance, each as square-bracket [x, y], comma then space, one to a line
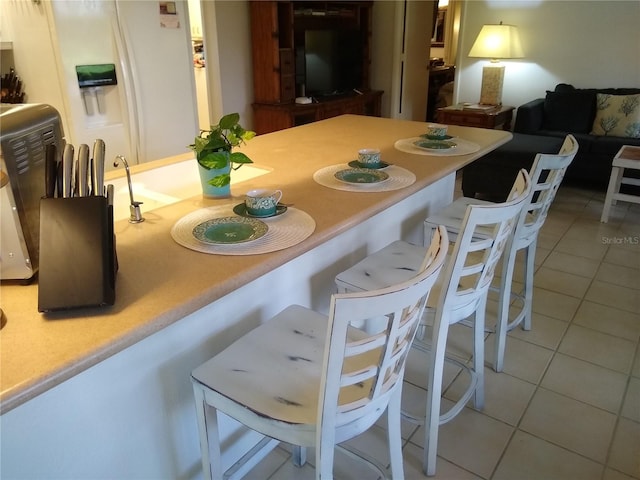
[262, 202]
[436, 130]
[369, 157]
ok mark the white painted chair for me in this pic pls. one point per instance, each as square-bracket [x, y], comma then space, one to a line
[546, 175]
[316, 381]
[463, 287]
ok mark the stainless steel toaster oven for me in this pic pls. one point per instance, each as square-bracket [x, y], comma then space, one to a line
[25, 131]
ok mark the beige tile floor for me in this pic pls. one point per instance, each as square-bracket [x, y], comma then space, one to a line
[567, 405]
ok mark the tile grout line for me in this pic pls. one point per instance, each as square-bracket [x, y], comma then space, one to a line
[619, 415]
[538, 384]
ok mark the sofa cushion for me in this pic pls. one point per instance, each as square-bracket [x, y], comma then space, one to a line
[617, 115]
[618, 91]
[566, 88]
[569, 111]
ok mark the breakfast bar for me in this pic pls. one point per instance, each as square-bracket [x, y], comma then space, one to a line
[105, 392]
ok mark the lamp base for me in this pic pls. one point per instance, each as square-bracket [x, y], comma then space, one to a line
[492, 79]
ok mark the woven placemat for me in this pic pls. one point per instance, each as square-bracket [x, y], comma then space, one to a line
[398, 178]
[463, 147]
[285, 230]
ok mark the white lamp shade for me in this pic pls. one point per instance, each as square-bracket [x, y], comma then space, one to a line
[497, 41]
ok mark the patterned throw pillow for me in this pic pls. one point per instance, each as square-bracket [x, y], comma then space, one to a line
[617, 115]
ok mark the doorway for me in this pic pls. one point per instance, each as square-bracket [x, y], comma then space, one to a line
[443, 56]
[409, 83]
[199, 63]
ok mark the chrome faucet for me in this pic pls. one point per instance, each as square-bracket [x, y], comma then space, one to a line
[134, 208]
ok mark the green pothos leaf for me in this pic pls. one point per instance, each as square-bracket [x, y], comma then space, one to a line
[213, 160]
[229, 121]
[220, 180]
[239, 158]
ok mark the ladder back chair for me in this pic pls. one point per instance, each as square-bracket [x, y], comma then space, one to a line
[546, 175]
[312, 380]
[462, 293]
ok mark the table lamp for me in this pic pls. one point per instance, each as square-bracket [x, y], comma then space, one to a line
[495, 42]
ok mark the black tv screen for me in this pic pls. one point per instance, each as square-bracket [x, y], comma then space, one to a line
[333, 61]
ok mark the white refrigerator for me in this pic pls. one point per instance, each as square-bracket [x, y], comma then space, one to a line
[151, 112]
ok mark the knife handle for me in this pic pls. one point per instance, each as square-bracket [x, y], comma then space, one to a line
[67, 170]
[83, 170]
[98, 168]
[60, 152]
[50, 170]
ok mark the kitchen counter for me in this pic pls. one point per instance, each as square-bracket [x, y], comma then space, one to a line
[160, 282]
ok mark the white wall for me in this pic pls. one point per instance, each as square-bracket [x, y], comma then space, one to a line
[589, 44]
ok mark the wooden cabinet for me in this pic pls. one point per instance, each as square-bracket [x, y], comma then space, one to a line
[287, 75]
[272, 43]
[278, 35]
[499, 117]
[270, 117]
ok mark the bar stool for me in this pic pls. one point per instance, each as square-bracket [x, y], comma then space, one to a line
[462, 294]
[627, 157]
[546, 174]
[315, 381]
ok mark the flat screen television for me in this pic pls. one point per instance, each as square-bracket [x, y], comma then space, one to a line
[333, 61]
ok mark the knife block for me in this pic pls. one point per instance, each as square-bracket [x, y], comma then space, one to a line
[78, 261]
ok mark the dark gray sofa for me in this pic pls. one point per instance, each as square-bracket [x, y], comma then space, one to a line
[540, 127]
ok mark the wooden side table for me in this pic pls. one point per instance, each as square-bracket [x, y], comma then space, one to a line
[500, 117]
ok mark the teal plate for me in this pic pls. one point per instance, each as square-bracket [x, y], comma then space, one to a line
[434, 144]
[241, 209]
[436, 137]
[357, 164]
[227, 230]
[361, 176]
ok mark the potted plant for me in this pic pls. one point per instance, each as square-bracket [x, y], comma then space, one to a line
[215, 158]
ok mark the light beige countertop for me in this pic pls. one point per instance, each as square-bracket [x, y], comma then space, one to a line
[160, 282]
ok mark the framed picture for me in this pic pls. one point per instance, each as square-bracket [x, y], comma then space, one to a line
[439, 22]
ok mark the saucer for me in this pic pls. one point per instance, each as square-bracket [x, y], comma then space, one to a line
[361, 176]
[241, 209]
[436, 137]
[357, 164]
[434, 144]
[228, 230]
